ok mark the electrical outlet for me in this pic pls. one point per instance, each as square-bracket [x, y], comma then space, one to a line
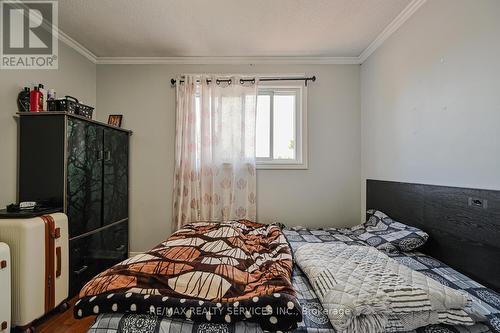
[478, 203]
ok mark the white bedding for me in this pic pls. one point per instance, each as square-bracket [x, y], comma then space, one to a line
[363, 290]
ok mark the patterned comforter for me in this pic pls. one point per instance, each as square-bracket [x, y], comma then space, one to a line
[485, 305]
[205, 272]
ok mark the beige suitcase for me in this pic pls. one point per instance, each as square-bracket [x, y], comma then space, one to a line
[39, 256]
[4, 288]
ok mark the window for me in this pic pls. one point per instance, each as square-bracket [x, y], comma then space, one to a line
[281, 134]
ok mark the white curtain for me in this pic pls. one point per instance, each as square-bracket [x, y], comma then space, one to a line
[215, 178]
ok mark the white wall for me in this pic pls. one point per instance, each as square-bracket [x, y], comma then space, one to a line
[76, 76]
[327, 194]
[431, 98]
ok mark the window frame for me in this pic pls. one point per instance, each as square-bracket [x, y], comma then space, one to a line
[300, 161]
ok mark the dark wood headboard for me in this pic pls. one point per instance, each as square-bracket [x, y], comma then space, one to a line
[463, 223]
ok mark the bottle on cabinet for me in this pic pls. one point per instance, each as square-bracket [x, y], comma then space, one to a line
[36, 100]
[23, 100]
[51, 95]
[42, 90]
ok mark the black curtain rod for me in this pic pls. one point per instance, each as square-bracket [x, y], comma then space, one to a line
[266, 79]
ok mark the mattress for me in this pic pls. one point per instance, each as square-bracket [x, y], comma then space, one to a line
[485, 306]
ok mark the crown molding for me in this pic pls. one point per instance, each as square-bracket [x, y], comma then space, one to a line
[226, 60]
[402, 17]
[391, 28]
[63, 37]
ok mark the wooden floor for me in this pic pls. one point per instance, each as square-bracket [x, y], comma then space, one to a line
[59, 322]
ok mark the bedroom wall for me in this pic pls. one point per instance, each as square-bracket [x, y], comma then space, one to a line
[431, 99]
[325, 194]
[76, 76]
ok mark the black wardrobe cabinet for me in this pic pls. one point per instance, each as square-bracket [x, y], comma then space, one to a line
[80, 165]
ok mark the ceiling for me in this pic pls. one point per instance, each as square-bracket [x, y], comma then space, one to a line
[227, 28]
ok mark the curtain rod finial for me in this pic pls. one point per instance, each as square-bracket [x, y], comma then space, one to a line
[313, 78]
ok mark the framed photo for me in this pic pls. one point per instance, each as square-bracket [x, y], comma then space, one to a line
[115, 120]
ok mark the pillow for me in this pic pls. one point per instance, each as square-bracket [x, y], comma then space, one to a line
[385, 234]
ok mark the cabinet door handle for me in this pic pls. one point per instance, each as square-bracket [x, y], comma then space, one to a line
[81, 270]
[100, 155]
[107, 155]
[120, 248]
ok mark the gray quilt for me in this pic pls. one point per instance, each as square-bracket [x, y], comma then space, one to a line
[363, 290]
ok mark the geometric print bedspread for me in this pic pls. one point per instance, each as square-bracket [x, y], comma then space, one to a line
[206, 272]
[485, 302]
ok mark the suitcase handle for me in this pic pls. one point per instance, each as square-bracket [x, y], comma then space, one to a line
[58, 261]
[57, 233]
[81, 270]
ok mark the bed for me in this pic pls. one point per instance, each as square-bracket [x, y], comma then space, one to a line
[484, 308]
[486, 302]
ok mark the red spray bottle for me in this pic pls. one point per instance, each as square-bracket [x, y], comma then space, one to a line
[36, 100]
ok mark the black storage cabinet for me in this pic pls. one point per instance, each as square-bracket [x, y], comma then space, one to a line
[82, 166]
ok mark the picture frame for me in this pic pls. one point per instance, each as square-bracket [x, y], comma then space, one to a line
[115, 120]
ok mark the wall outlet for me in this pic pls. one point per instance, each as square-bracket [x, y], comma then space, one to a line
[478, 203]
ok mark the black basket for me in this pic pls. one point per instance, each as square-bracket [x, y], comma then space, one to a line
[71, 105]
[68, 104]
[85, 111]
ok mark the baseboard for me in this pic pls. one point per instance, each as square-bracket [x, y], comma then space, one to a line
[133, 254]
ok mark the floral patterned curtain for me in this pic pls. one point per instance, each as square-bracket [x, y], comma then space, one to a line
[215, 178]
